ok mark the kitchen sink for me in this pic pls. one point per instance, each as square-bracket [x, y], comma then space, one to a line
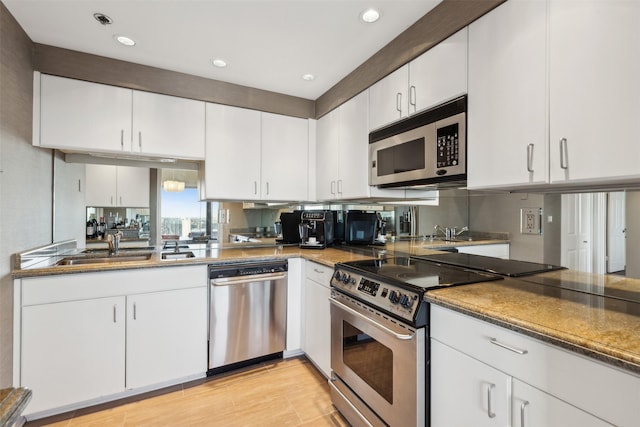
[122, 250]
[178, 255]
[111, 259]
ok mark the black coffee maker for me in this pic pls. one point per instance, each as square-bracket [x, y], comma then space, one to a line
[289, 222]
[316, 229]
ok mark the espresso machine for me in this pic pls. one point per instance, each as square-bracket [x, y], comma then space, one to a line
[316, 229]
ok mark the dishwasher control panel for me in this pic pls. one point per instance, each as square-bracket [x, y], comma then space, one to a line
[246, 269]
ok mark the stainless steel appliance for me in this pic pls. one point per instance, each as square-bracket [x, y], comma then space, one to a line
[426, 149]
[316, 229]
[380, 340]
[247, 312]
[289, 222]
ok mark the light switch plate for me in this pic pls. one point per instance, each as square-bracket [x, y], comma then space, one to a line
[530, 219]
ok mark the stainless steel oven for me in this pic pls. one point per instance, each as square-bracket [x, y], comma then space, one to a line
[426, 149]
[380, 337]
[381, 361]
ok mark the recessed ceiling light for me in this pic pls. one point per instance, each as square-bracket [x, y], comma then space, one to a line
[124, 40]
[308, 77]
[220, 63]
[102, 18]
[370, 15]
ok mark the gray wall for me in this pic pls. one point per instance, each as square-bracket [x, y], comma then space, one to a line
[452, 211]
[68, 191]
[25, 174]
[633, 231]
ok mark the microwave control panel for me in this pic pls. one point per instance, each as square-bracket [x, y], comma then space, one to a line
[447, 146]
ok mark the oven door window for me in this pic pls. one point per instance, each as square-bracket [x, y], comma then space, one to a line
[369, 359]
[405, 157]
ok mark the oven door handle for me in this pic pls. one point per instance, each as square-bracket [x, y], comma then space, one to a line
[225, 281]
[373, 322]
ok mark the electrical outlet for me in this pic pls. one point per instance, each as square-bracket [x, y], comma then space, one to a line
[530, 219]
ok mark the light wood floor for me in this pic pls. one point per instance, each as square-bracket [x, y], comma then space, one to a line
[279, 393]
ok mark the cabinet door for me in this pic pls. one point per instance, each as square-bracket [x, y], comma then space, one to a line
[133, 186]
[317, 321]
[168, 126]
[79, 357]
[285, 157]
[388, 98]
[232, 165]
[327, 156]
[101, 185]
[353, 154]
[439, 74]
[532, 407]
[166, 336]
[83, 116]
[594, 90]
[465, 391]
[507, 139]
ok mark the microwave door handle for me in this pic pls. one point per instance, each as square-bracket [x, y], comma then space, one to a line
[396, 335]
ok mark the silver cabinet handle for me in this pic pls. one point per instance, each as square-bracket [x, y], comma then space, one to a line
[255, 187]
[564, 155]
[490, 412]
[508, 347]
[333, 187]
[339, 186]
[318, 271]
[530, 157]
[140, 140]
[412, 96]
[135, 312]
[399, 102]
[115, 313]
[522, 408]
[267, 188]
[121, 204]
[112, 200]
[122, 139]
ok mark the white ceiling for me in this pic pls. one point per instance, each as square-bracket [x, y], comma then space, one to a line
[268, 44]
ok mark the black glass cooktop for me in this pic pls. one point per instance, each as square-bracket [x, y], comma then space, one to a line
[504, 267]
[417, 272]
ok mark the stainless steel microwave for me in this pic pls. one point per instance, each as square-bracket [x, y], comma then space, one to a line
[428, 148]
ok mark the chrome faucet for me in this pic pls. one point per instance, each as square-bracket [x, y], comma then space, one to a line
[113, 240]
[450, 233]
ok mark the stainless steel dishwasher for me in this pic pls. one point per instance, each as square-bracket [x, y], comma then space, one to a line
[247, 312]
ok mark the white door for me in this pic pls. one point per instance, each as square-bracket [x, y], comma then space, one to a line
[317, 324]
[327, 156]
[577, 231]
[232, 165]
[388, 98]
[133, 186]
[532, 407]
[465, 391]
[80, 356]
[616, 232]
[285, 157]
[168, 126]
[166, 336]
[353, 152]
[101, 185]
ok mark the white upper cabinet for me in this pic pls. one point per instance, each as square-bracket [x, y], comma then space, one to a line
[285, 157]
[232, 163]
[389, 98]
[117, 186]
[255, 156]
[434, 77]
[327, 146]
[81, 116]
[439, 74]
[507, 135]
[594, 91]
[168, 126]
[553, 93]
[89, 117]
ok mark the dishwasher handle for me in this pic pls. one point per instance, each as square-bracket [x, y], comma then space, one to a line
[226, 281]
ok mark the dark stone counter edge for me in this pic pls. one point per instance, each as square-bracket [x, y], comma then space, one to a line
[12, 405]
[572, 347]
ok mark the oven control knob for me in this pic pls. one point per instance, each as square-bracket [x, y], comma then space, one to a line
[345, 279]
[394, 297]
[337, 275]
[406, 301]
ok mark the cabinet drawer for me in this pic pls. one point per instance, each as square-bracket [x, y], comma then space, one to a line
[319, 273]
[600, 389]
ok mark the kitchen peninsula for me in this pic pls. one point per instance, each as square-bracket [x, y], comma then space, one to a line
[598, 327]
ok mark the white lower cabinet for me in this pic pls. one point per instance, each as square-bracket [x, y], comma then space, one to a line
[479, 369]
[500, 250]
[89, 337]
[472, 394]
[295, 280]
[317, 317]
